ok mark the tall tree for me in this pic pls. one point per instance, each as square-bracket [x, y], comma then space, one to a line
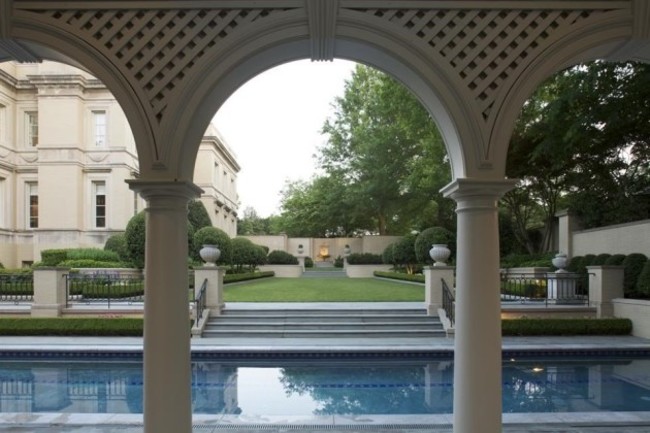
[386, 149]
[581, 141]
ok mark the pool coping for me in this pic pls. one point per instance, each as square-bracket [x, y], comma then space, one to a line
[574, 419]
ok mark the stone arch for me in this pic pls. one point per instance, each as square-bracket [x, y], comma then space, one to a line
[599, 39]
[218, 78]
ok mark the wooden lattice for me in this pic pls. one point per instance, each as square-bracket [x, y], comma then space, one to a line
[484, 47]
[158, 47]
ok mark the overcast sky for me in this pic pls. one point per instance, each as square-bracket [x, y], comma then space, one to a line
[273, 123]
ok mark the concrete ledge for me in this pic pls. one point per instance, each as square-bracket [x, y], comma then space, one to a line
[283, 271]
[365, 271]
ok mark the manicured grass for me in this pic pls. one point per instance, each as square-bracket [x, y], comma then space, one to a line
[323, 290]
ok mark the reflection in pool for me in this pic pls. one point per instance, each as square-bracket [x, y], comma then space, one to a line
[260, 388]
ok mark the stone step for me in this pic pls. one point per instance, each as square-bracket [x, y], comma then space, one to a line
[293, 333]
[323, 323]
[307, 313]
[405, 326]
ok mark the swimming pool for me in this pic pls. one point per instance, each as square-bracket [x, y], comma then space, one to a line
[275, 387]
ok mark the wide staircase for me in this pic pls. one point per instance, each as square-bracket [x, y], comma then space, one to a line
[323, 323]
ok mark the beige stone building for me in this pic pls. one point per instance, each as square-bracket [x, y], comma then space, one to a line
[66, 149]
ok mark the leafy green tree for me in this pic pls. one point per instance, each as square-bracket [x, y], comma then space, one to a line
[198, 215]
[246, 254]
[582, 141]
[404, 253]
[386, 149]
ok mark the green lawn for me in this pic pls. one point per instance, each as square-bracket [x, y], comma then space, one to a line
[323, 290]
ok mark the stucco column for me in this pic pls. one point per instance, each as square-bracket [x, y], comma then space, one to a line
[49, 291]
[477, 350]
[214, 289]
[605, 285]
[433, 276]
[167, 378]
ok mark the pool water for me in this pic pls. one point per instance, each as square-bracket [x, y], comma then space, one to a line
[327, 388]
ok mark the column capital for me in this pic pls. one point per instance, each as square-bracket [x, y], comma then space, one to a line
[164, 188]
[477, 193]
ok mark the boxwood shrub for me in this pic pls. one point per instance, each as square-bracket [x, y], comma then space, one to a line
[233, 278]
[615, 260]
[419, 278]
[633, 265]
[53, 257]
[643, 283]
[365, 259]
[278, 257]
[72, 326]
[600, 259]
[532, 327]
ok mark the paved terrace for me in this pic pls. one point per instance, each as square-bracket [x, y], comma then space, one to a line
[600, 422]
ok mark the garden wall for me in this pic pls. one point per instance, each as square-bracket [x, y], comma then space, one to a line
[332, 246]
[365, 271]
[616, 239]
[638, 311]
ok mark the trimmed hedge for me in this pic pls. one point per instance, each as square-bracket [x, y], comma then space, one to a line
[53, 257]
[533, 327]
[601, 259]
[615, 260]
[365, 259]
[278, 257]
[633, 264]
[233, 278]
[87, 263]
[72, 326]
[309, 262]
[400, 276]
[643, 283]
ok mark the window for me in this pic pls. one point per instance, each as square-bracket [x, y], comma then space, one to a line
[99, 204]
[31, 120]
[32, 205]
[99, 128]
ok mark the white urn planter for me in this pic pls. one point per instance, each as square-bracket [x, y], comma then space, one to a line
[210, 254]
[440, 254]
[300, 249]
[560, 262]
[347, 250]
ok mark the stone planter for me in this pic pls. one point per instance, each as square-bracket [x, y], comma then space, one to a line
[210, 254]
[283, 271]
[440, 254]
[364, 271]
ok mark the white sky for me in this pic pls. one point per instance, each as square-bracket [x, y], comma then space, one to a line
[273, 124]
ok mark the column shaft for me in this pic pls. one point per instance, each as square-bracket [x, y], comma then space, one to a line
[477, 353]
[167, 374]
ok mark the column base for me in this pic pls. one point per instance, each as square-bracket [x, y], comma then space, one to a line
[46, 310]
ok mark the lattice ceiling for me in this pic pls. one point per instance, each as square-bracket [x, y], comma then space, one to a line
[484, 47]
[159, 48]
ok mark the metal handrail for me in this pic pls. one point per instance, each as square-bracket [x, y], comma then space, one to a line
[448, 302]
[200, 301]
[545, 288]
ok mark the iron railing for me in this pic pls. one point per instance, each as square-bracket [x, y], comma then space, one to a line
[545, 289]
[103, 288]
[448, 302]
[199, 302]
[16, 288]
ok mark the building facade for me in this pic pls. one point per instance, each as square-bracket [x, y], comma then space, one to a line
[66, 149]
